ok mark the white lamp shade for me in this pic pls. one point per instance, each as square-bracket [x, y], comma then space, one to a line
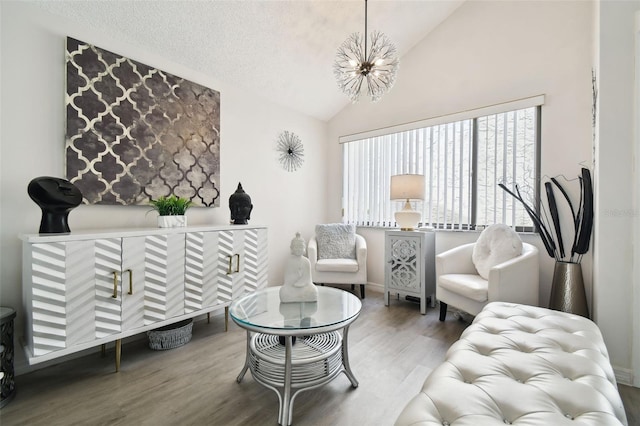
[407, 187]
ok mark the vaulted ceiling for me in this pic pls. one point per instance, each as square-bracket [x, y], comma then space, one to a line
[281, 50]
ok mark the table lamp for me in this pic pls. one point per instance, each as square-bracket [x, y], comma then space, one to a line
[407, 187]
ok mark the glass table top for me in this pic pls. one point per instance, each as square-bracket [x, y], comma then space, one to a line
[263, 309]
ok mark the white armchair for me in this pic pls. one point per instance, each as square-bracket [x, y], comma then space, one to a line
[458, 283]
[339, 271]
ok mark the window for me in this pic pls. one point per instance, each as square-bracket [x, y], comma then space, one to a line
[463, 158]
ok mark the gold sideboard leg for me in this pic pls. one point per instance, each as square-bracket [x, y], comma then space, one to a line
[226, 318]
[103, 349]
[208, 317]
[118, 354]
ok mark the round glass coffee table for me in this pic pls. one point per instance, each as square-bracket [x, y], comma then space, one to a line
[292, 347]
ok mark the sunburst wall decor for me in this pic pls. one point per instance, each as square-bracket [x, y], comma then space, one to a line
[291, 151]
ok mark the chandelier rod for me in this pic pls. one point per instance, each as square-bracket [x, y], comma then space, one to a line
[365, 31]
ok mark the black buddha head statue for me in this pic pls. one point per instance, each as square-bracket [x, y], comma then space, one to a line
[240, 206]
[56, 198]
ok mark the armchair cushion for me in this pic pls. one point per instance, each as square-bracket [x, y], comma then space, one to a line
[496, 244]
[470, 286]
[336, 241]
[337, 265]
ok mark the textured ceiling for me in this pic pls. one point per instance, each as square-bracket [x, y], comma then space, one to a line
[281, 50]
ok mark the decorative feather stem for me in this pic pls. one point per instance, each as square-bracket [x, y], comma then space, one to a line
[542, 228]
[544, 219]
[582, 218]
[573, 212]
[578, 220]
[586, 223]
[539, 226]
[553, 210]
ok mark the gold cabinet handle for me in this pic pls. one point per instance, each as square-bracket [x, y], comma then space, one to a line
[230, 266]
[115, 285]
[229, 270]
[130, 281]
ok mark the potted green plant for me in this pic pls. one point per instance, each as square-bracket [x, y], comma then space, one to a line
[172, 211]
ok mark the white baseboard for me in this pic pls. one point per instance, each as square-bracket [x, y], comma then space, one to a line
[378, 288]
[624, 376]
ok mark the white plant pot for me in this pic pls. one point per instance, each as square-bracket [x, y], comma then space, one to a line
[176, 221]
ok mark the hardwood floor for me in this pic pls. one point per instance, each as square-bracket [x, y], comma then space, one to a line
[631, 399]
[392, 350]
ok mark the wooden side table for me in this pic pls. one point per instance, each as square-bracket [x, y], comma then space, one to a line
[7, 382]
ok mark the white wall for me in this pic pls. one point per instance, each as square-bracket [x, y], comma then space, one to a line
[617, 185]
[33, 134]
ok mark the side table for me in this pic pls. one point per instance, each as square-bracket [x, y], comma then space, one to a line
[410, 266]
[7, 382]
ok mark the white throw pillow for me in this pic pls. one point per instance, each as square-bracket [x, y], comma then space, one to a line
[336, 241]
[496, 244]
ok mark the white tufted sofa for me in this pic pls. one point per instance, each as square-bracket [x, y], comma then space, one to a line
[521, 365]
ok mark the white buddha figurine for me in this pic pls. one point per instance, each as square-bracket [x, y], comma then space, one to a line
[298, 286]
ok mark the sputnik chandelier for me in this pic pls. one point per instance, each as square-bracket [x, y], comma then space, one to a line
[376, 67]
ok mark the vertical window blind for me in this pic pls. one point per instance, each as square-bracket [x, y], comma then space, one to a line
[462, 162]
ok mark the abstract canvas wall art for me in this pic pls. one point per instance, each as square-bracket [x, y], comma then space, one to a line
[135, 133]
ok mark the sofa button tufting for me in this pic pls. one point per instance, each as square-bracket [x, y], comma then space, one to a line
[445, 423]
[510, 361]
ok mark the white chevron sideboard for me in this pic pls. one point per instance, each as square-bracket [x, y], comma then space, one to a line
[85, 289]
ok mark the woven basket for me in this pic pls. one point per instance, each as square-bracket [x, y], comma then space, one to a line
[170, 336]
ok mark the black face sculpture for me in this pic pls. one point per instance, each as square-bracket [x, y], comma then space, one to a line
[56, 198]
[240, 206]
